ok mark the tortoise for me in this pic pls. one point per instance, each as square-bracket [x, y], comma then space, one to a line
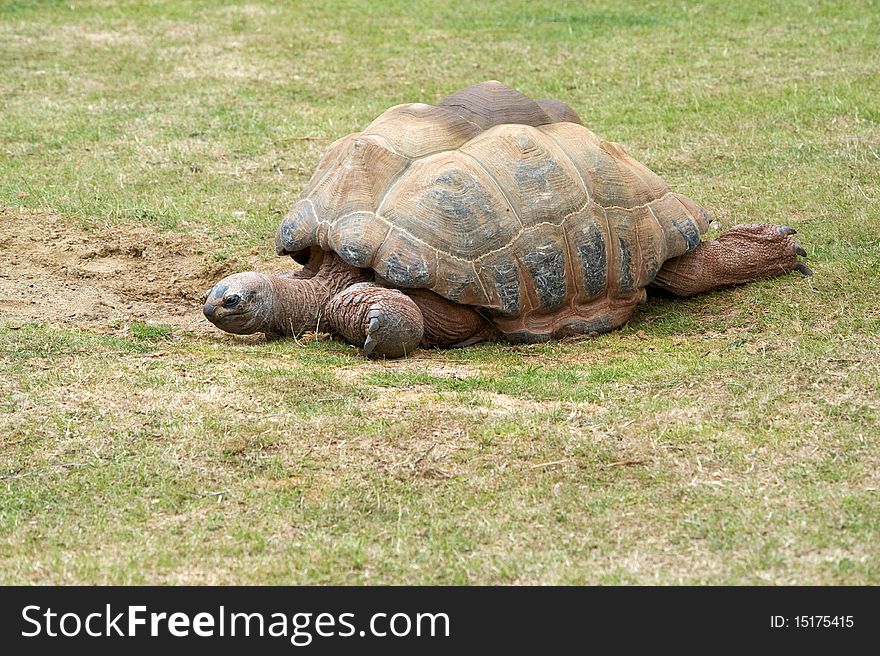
[488, 216]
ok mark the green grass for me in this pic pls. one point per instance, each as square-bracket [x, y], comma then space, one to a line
[732, 438]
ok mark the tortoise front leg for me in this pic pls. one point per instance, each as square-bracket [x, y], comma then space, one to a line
[385, 321]
[742, 254]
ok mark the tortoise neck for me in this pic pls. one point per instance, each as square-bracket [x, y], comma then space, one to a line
[298, 302]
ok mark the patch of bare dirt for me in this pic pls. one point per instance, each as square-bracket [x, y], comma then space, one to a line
[56, 273]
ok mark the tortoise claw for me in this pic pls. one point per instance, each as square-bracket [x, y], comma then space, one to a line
[804, 269]
[786, 230]
[800, 250]
[370, 343]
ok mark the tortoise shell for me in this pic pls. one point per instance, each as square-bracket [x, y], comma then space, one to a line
[494, 200]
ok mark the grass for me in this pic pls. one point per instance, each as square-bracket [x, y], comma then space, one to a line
[732, 438]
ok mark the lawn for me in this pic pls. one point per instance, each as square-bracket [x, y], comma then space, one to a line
[147, 149]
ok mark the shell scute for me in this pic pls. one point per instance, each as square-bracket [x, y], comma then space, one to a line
[459, 283]
[359, 179]
[417, 130]
[406, 262]
[640, 247]
[682, 222]
[539, 181]
[503, 282]
[448, 202]
[492, 103]
[586, 233]
[544, 259]
[356, 237]
[298, 229]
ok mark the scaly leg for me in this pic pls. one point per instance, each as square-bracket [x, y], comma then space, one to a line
[742, 254]
[392, 324]
[385, 321]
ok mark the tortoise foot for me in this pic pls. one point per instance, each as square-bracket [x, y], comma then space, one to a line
[385, 321]
[756, 251]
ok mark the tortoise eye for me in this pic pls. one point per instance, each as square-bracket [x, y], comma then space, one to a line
[231, 301]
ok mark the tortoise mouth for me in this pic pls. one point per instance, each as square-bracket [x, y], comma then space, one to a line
[237, 323]
[226, 313]
[217, 314]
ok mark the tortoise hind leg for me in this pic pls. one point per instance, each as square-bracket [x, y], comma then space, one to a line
[385, 321]
[450, 325]
[742, 254]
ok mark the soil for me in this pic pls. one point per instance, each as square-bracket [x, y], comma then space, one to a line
[105, 278]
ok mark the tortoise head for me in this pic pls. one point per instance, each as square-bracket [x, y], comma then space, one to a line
[241, 303]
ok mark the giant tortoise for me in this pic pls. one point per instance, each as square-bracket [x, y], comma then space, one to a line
[487, 216]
